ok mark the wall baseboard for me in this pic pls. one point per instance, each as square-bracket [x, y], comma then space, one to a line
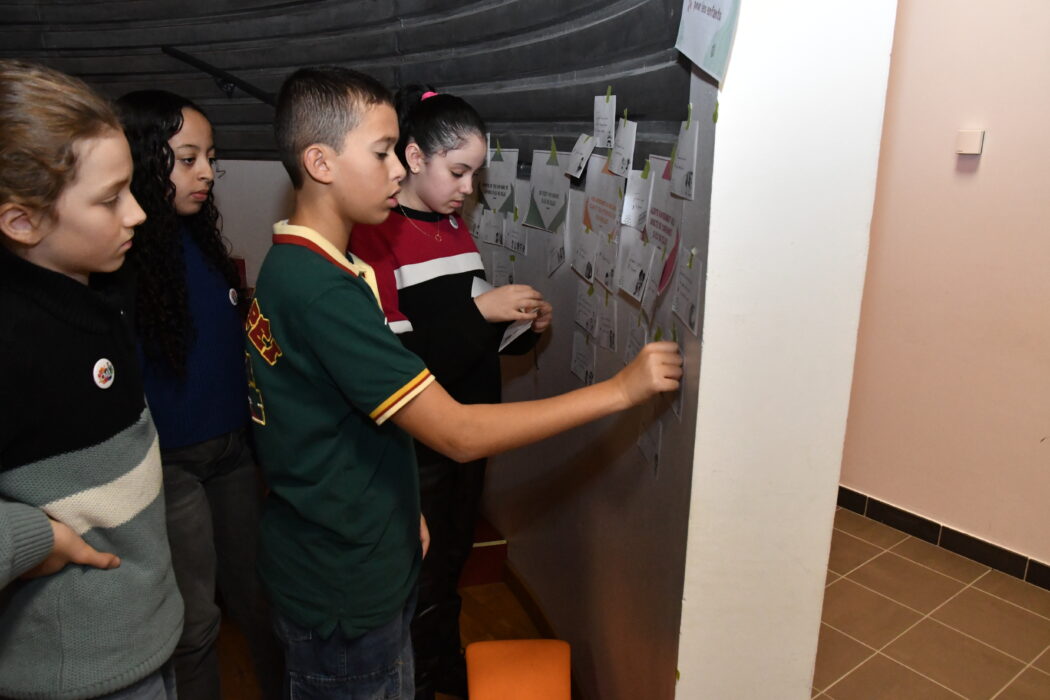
[1017, 565]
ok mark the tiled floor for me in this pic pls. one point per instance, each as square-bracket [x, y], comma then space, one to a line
[906, 620]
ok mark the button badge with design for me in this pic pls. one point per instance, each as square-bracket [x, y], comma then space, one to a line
[104, 373]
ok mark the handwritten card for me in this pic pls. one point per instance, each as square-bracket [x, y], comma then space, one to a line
[685, 158]
[604, 120]
[587, 302]
[623, 148]
[636, 198]
[636, 339]
[686, 301]
[555, 252]
[502, 268]
[580, 153]
[491, 227]
[516, 236]
[605, 261]
[637, 257]
[606, 332]
[582, 358]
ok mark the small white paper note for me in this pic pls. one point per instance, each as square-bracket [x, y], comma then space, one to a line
[636, 198]
[604, 120]
[686, 301]
[623, 149]
[607, 322]
[582, 358]
[580, 153]
[587, 307]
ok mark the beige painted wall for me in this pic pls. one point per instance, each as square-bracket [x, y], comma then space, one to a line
[950, 411]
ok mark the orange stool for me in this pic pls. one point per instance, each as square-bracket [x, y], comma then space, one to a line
[519, 669]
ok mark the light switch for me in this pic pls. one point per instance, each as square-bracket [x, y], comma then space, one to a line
[969, 142]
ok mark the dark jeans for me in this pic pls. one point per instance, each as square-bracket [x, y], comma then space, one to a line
[376, 665]
[449, 495]
[212, 494]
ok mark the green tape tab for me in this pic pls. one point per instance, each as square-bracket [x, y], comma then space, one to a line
[553, 160]
[608, 93]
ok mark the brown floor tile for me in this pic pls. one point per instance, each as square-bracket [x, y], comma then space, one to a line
[940, 560]
[1030, 685]
[849, 552]
[996, 622]
[1016, 591]
[882, 679]
[1043, 662]
[867, 529]
[965, 665]
[863, 614]
[906, 582]
[837, 655]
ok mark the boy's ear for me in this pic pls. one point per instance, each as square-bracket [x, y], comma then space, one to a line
[17, 221]
[414, 156]
[317, 162]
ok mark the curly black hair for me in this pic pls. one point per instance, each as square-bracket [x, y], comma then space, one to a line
[163, 323]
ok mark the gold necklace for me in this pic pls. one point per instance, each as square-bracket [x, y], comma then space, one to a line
[436, 236]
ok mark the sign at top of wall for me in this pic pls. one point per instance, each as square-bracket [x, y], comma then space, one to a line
[706, 32]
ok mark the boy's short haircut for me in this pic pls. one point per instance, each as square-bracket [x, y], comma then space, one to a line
[321, 105]
[43, 115]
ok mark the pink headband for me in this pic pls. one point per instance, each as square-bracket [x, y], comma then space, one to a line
[427, 95]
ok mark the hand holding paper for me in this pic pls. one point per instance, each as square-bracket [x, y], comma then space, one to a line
[511, 302]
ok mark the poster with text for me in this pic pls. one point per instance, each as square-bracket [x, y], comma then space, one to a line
[603, 198]
[497, 180]
[548, 191]
[662, 229]
[705, 34]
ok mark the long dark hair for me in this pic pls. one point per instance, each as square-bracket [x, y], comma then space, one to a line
[439, 123]
[163, 322]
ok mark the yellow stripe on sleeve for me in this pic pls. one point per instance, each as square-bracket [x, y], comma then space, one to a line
[401, 397]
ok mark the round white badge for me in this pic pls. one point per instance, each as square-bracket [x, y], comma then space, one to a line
[233, 296]
[452, 220]
[104, 373]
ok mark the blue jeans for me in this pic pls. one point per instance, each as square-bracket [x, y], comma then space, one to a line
[213, 500]
[159, 685]
[374, 666]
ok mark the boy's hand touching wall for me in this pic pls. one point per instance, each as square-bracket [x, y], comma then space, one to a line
[657, 368]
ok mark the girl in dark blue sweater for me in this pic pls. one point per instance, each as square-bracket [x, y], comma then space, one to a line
[192, 347]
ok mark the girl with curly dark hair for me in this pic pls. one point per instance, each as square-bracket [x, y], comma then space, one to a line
[192, 348]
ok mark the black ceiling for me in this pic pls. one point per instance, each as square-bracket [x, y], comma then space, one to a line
[531, 67]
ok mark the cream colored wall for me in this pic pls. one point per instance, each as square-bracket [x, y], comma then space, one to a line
[795, 161]
[950, 411]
